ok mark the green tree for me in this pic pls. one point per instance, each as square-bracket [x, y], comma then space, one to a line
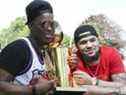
[66, 40]
[107, 29]
[16, 29]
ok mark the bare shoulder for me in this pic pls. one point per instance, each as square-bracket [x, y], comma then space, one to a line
[121, 77]
[5, 76]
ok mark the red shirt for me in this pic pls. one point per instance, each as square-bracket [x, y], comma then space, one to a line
[110, 63]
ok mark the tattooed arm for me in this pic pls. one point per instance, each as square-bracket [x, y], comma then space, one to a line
[103, 87]
[41, 87]
[7, 87]
[118, 80]
[117, 86]
[82, 78]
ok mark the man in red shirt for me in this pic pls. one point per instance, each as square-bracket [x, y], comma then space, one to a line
[93, 63]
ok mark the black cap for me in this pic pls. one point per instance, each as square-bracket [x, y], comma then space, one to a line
[78, 34]
[36, 7]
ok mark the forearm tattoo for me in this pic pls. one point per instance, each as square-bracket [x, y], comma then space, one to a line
[5, 76]
[119, 77]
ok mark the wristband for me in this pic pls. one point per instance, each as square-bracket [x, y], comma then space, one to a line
[97, 82]
[34, 90]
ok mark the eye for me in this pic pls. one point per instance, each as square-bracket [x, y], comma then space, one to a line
[46, 24]
[92, 39]
[43, 24]
[83, 42]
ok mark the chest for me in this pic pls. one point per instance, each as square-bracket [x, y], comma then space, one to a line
[100, 70]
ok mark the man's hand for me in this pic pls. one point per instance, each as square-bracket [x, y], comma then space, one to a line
[72, 58]
[44, 86]
[82, 78]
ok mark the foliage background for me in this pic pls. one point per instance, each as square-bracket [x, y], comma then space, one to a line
[108, 31]
[17, 29]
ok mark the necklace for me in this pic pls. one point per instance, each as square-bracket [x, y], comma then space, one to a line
[93, 73]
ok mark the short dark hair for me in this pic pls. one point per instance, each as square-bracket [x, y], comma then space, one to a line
[82, 29]
[35, 8]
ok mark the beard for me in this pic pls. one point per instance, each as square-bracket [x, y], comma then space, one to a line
[87, 58]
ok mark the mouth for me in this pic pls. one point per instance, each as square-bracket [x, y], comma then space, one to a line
[90, 52]
[49, 38]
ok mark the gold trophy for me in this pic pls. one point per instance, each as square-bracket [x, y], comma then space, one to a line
[59, 69]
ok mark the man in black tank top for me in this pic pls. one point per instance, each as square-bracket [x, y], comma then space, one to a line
[16, 56]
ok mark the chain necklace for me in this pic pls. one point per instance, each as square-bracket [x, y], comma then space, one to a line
[94, 75]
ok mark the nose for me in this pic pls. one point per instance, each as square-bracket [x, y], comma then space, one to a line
[88, 44]
[50, 28]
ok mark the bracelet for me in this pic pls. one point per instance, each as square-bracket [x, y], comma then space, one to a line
[97, 82]
[34, 90]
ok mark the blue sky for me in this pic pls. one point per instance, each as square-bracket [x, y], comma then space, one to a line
[69, 13]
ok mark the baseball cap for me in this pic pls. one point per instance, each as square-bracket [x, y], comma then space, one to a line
[36, 8]
[80, 32]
